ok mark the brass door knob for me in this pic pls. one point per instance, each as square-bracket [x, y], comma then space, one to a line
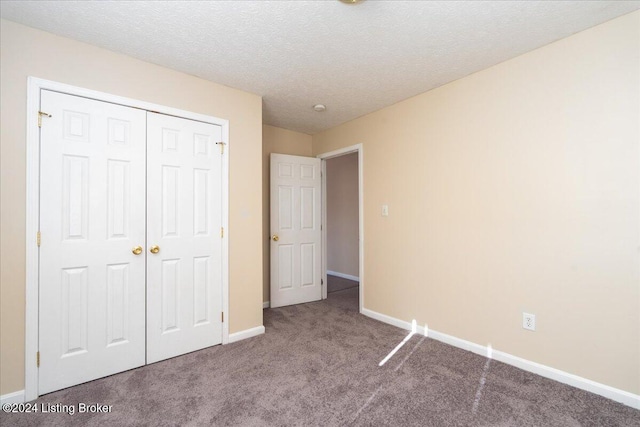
[137, 250]
[154, 249]
[275, 237]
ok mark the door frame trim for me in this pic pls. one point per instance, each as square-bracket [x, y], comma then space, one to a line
[34, 87]
[357, 148]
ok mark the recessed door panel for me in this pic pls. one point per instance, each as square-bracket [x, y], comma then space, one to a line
[170, 200]
[76, 126]
[285, 207]
[285, 170]
[170, 140]
[118, 198]
[119, 132]
[74, 310]
[201, 202]
[117, 304]
[75, 196]
[307, 172]
[285, 267]
[201, 278]
[307, 208]
[202, 145]
[307, 264]
[170, 305]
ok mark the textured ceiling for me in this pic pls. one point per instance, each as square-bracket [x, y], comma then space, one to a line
[354, 58]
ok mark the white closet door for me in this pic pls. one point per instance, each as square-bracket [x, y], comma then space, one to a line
[92, 213]
[184, 277]
[296, 238]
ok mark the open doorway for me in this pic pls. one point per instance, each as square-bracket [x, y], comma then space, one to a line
[342, 231]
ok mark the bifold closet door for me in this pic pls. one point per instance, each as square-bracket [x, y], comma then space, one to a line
[184, 242]
[131, 247]
[92, 216]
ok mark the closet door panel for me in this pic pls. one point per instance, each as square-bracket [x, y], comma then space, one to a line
[184, 220]
[92, 214]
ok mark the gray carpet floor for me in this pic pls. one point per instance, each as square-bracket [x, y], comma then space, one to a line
[335, 284]
[317, 365]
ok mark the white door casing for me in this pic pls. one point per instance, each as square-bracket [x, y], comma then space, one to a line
[184, 279]
[92, 287]
[358, 148]
[295, 230]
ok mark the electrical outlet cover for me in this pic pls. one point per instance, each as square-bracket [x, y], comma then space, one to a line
[529, 321]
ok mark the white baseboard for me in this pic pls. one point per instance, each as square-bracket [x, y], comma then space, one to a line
[247, 333]
[266, 304]
[624, 397]
[460, 343]
[604, 390]
[344, 276]
[15, 397]
[387, 319]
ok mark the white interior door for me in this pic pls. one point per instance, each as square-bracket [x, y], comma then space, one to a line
[92, 213]
[184, 277]
[296, 238]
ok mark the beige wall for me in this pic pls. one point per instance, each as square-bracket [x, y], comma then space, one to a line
[515, 189]
[28, 52]
[342, 214]
[281, 141]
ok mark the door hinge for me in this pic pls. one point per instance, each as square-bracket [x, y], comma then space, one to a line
[221, 144]
[221, 231]
[38, 238]
[222, 317]
[321, 282]
[40, 114]
[38, 359]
